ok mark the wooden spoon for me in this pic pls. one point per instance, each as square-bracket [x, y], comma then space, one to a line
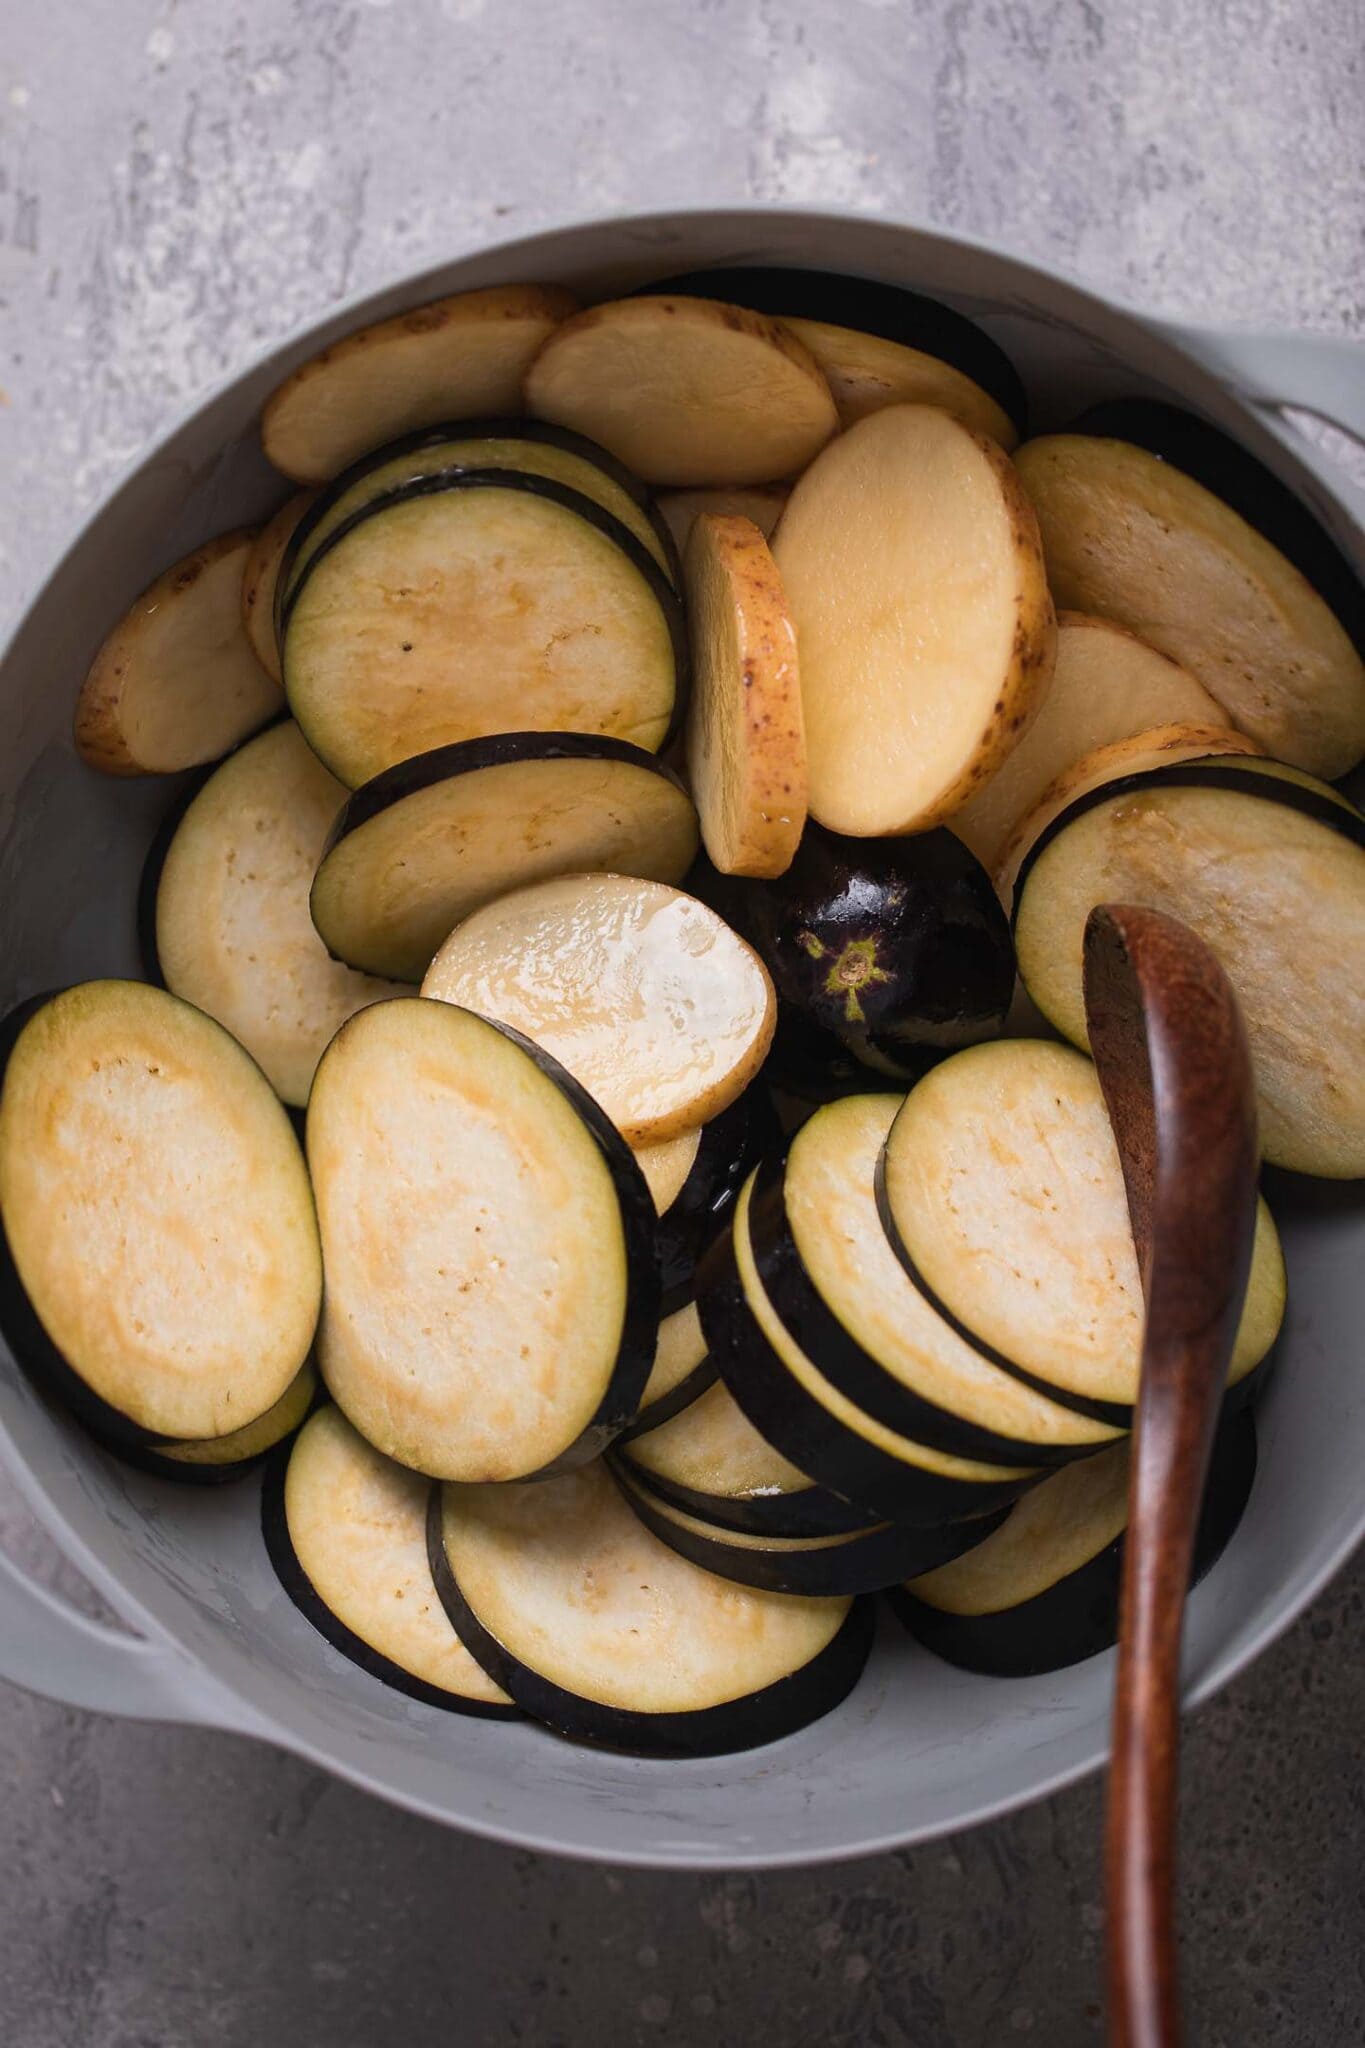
[1171, 1051]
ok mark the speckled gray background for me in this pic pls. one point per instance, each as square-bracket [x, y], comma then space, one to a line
[178, 184]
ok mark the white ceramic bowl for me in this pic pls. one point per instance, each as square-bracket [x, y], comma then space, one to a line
[919, 1748]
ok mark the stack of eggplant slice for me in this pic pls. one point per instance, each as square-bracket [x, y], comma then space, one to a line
[624, 767]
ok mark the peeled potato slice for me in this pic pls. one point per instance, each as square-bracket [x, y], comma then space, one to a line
[1106, 686]
[686, 391]
[457, 358]
[231, 932]
[177, 683]
[914, 576]
[1163, 745]
[746, 741]
[1131, 536]
[650, 1001]
[867, 371]
[259, 579]
[1269, 869]
[760, 502]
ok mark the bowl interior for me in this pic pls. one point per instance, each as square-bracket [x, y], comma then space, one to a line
[919, 1748]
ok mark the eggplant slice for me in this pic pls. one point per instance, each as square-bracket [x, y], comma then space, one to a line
[831, 1274]
[1042, 1591]
[1131, 535]
[261, 578]
[428, 842]
[601, 1631]
[1161, 747]
[1107, 685]
[1269, 869]
[161, 1267]
[492, 1301]
[346, 1530]
[225, 906]
[461, 357]
[648, 999]
[724, 1151]
[711, 1461]
[687, 392]
[468, 603]
[866, 1560]
[531, 446]
[796, 1409]
[879, 344]
[746, 740]
[1001, 1189]
[177, 683]
[914, 576]
[214, 1461]
[682, 1371]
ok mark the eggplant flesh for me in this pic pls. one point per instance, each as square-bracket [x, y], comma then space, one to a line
[1074, 1615]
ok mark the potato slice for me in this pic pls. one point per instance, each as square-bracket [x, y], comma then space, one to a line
[867, 371]
[458, 358]
[914, 575]
[760, 502]
[176, 683]
[746, 742]
[666, 1166]
[1131, 536]
[1131, 756]
[259, 578]
[660, 1011]
[1107, 685]
[686, 391]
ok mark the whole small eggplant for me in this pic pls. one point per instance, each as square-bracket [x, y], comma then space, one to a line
[891, 951]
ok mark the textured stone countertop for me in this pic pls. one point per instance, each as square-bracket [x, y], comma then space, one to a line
[181, 181]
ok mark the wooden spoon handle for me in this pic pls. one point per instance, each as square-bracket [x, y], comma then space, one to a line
[1172, 1058]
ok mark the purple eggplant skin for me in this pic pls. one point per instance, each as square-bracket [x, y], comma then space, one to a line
[886, 952]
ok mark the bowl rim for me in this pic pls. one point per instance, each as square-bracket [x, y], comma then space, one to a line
[215, 1700]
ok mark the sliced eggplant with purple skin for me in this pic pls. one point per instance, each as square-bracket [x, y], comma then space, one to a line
[605, 1634]
[526, 444]
[1042, 1592]
[1002, 1196]
[877, 343]
[682, 1371]
[160, 1272]
[865, 1560]
[427, 842]
[346, 1530]
[830, 1273]
[492, 1297]
[473, 602]
[797, 1410]
[216, 1461]
[711, 1462]
[893, 951]
[726, 1149]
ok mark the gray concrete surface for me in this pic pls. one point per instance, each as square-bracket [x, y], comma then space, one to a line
[181, 180]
